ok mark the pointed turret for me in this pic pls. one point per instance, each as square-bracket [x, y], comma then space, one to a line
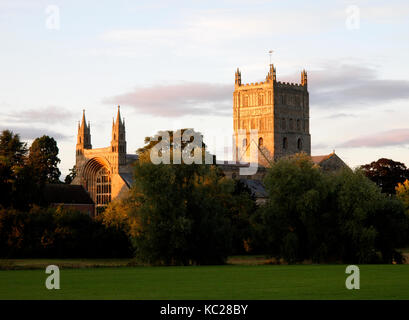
[271, 74]
[304, 81]
[118, 115]
[237, 79]
[118, 142]
[84, 134]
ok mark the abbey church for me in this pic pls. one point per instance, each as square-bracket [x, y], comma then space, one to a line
[106, 173]
[277, 112]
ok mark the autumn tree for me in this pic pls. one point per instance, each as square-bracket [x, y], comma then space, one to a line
[386, 173]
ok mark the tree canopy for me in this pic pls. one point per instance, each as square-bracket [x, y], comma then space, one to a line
[386, 173]
[43, 157]
[325, 217]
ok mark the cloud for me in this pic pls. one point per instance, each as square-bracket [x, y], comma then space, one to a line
[180, 99]
[396, 137]
[342, 86]
[202, 33]
[46, 115]
[30, 133]
[348, 85]
[340, 115]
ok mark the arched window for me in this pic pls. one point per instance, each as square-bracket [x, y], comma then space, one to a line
[299, 144]
[260, 142]
[103, 196]
[285, 143]
[244, 142]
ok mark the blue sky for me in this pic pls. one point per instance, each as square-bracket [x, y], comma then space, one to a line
[170, 64]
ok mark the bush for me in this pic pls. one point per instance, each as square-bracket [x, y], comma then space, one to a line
[59, 233]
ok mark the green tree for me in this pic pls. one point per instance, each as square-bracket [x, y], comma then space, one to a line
[43, 157]
[183, 219]
[12, 158]
[12, 150]
[340, 216]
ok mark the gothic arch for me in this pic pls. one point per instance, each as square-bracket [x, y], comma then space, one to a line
[95, 169]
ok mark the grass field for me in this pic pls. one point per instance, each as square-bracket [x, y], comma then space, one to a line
[209, 282]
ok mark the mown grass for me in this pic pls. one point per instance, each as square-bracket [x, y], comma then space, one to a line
[210, 282]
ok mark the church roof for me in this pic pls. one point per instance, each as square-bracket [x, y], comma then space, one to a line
[256, 187]
[330, 162]
[128, 178]
[66, 193]
[319, 159]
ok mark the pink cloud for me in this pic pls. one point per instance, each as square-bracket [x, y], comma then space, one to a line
[175, 100]
[381, 139]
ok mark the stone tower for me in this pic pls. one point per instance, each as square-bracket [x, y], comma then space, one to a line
[118, 142]
[280, 113]
[83, 136]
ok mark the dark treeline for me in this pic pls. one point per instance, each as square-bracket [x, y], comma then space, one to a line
[58, 233]
[27, 227]
[180, 214]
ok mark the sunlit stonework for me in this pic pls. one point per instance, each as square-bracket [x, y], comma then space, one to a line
[280, 113]
[106, 173]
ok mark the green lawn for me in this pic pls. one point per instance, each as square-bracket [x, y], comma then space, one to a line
[210, 282]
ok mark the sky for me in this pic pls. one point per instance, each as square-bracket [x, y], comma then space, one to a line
[171, 64]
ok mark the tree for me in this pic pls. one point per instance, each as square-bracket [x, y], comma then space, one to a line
[122, 214]
[12, 150]
[340, 216]
[292, 222]
[386, 173]
[43, 157]
[180, 144]
[71, 176]
[241, 206]
[12, 157]
[183, 219]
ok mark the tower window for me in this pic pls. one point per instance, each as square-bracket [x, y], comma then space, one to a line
[285, 143]
[260, 142]
[299, 144]
[298, 125]
[244, 142]
[283, 124]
